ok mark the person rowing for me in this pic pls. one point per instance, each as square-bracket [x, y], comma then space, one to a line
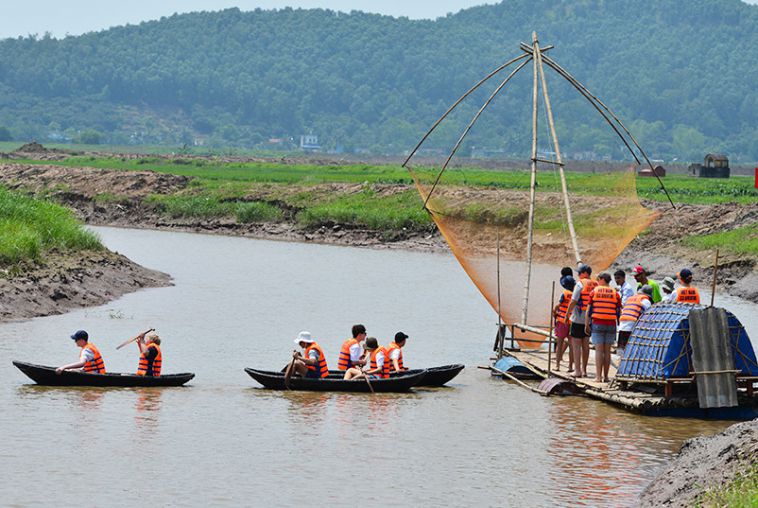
[312, 362]
[151, 357]
[378, 364]
[90, 359]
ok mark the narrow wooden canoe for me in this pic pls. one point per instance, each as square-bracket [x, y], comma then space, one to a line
[435, 376]
[46, 376]
[334, 383]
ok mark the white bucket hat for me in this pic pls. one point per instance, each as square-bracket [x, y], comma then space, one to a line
[304, 337]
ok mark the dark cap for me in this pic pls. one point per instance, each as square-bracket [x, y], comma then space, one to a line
[647, 289]
[568, 282]
[372, 343]
[400, 336]
[566, 270]
[685, 273]
[80, 334]
[584, 269]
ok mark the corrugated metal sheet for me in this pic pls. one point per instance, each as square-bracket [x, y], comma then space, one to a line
[713, 358]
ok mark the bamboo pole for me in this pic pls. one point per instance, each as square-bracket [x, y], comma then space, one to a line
[550, 343]
[564, 186]
[532, 184]
[470, 125]
[462, 97]
[715, 272]
[517, 380]
[501, 338]
[533, 329]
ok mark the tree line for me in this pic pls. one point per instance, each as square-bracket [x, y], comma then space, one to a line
[681, 74]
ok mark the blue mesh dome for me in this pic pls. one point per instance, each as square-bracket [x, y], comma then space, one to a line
[659, 347]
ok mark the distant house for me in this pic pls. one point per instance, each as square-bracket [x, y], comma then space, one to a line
[309, 143]
[658, 171]
[715, 165]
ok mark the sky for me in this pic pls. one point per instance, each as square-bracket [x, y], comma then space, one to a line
[74, 17]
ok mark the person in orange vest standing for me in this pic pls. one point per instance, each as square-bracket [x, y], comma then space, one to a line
[151, 357]
[395, 353]
[686, 293]
[560, 312]
[90, 359]
[312, 362]
[351, 352]
[602, 317]
[577, 314]
[630, 314]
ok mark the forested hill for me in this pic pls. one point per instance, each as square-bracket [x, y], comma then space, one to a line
[682, 73]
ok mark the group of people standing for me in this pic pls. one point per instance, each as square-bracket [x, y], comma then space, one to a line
[360, 356]
[593, 309]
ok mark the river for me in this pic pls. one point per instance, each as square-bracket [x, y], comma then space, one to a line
[223, 441]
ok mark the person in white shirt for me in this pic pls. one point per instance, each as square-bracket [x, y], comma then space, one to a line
[624, 288]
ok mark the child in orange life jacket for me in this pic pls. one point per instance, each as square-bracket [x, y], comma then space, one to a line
[686, 293]
[377, 362]
[90, 359]
[602, 316]
[560, 312]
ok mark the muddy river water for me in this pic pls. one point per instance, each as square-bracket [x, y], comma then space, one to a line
[223, 441]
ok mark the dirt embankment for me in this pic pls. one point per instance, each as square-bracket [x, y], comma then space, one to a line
[64, 283]
[704, 463]
[83, 189]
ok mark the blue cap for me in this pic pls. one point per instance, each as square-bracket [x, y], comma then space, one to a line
[80, 334]
[568, 282]
[584, 269]
[685, 273]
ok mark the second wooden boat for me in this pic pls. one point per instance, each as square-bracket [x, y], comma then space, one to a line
[275, 381]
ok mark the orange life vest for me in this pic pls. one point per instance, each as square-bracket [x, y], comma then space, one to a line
[633, 308]
[587, 286]
[145, 369]
[687, 295]
[344, 361]
[560, 316]
[96, 365]
[385, 367]
[322, 368]
[393, 346]
[605, 303]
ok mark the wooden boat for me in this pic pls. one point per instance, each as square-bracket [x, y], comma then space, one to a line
[435, 376]
[43, 375]
[275, 381]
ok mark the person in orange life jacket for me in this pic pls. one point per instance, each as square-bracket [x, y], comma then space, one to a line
[634, 307]
[577, 315]
[90, 359]
[311, 363]
[602, 316]
[378, 365]
[394, 353]
[151, 356]
[351, 352]
[686, 293]
[563, 342]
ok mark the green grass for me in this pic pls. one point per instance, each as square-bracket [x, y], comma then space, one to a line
[742, 492]
[741, 241]
[212, 207]
[30, 228]
[212, 173]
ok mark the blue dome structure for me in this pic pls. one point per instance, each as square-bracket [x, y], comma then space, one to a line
[660, 348]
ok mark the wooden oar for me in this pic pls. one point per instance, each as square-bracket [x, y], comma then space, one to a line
[368, 382]
[135, 338]
[288, 374]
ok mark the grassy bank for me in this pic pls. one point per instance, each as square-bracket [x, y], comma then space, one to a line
[741, 241]
[30, 228]
[212, 173]
[742, 492]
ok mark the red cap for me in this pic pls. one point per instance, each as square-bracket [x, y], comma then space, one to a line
[638, 270]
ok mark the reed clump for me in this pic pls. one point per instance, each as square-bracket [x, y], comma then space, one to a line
[31, 228]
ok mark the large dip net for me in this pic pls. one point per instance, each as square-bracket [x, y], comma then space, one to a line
[512, 229]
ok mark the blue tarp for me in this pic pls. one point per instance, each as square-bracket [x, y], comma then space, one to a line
[659, 347]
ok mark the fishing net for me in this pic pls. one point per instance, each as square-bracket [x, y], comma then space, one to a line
[483, 215]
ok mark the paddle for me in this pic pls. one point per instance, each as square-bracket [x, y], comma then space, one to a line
[135, 338]
[368, 382]
[288, 373]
